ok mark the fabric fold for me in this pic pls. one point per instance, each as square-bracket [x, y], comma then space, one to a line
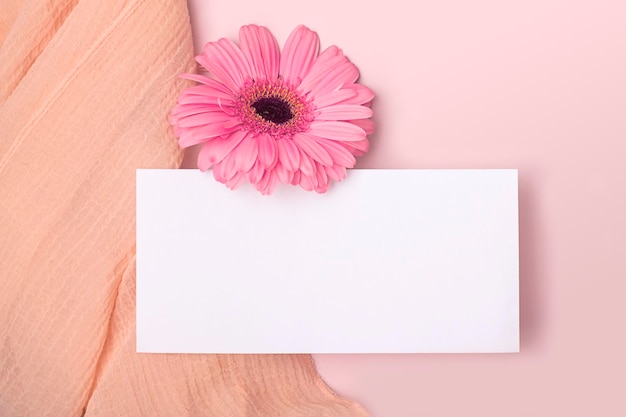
[85, 93]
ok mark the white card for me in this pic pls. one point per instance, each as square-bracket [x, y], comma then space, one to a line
[388, 261]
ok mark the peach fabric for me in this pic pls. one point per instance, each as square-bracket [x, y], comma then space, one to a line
[85, 91]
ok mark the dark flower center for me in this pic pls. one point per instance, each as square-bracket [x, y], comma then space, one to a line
[273, 109]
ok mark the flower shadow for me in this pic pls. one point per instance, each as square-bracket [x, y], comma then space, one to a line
[531, 256]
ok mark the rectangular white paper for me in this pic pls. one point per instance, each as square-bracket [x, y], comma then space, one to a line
[388, 261]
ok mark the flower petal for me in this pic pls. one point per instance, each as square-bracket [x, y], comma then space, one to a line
[340, 155]
[226, 62]
[357, 148]
[232, 124]
[330, 58]
[202, 119]
[366, 124]
[211, 99]
[308, 182]
[204, 157]
[217, 172]
[236, 181]
[301, 49]
[210, 86]
[189, 109]
[322, 179]
[268, 154]
[199, 78]
[283, 174]
[312, 148]
[335, 97]
[296, 177]
[228, 166]
[216, 150]
[345, 73]
[337, 130]
[246, 154]
[190, 137]
[363, 94]
[206, 81]
[336, 172]
[261, 50]
[344, 112]
[268, 183]
[256, 173]
[307, 165]
[288, 154]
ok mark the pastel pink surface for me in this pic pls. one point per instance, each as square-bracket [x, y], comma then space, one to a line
[539, 86]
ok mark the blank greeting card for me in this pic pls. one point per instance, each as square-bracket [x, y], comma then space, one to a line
[387, 261]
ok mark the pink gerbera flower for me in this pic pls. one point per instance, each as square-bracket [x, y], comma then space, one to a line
[264, 118]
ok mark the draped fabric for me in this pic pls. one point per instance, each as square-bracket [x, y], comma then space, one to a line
[85, 91]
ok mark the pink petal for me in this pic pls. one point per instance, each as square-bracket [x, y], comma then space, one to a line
[246, 154]
[296, 177]
[345, 73]
[337, 130]
[213, 89]
[288, 154]
[256, 173]
[217, 172]
[268, 154]
[322, 190]
[312, 148]
[307, 165]
[189, 109]
[261, 50]
[308, 182]
[207, 81]
[340, 155]
[322, 179]
[357, 148]
[200, 134]
[344, 112]
[236, 181]
[213, 65]
[208, 98]
[228, 166]
[204, 104]
[330, 58]
[366, 124]
[271, 185]
[336, 172]
[232, 125]
[199, 78]
[299, 53]
[335, 97]
[184, 110]
[267, 184]
[189, 136]
[236, 58]
[363, 94]
[204, 158]
[226, 62]
[203, 119]
[216, 150]
[283, 174]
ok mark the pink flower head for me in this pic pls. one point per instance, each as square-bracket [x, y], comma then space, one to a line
[297, 118]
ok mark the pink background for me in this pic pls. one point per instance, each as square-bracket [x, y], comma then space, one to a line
[534, 85]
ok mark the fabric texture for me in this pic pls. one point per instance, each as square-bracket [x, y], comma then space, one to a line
[85, 93]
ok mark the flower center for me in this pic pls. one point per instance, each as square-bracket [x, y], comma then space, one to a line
[273, 109]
